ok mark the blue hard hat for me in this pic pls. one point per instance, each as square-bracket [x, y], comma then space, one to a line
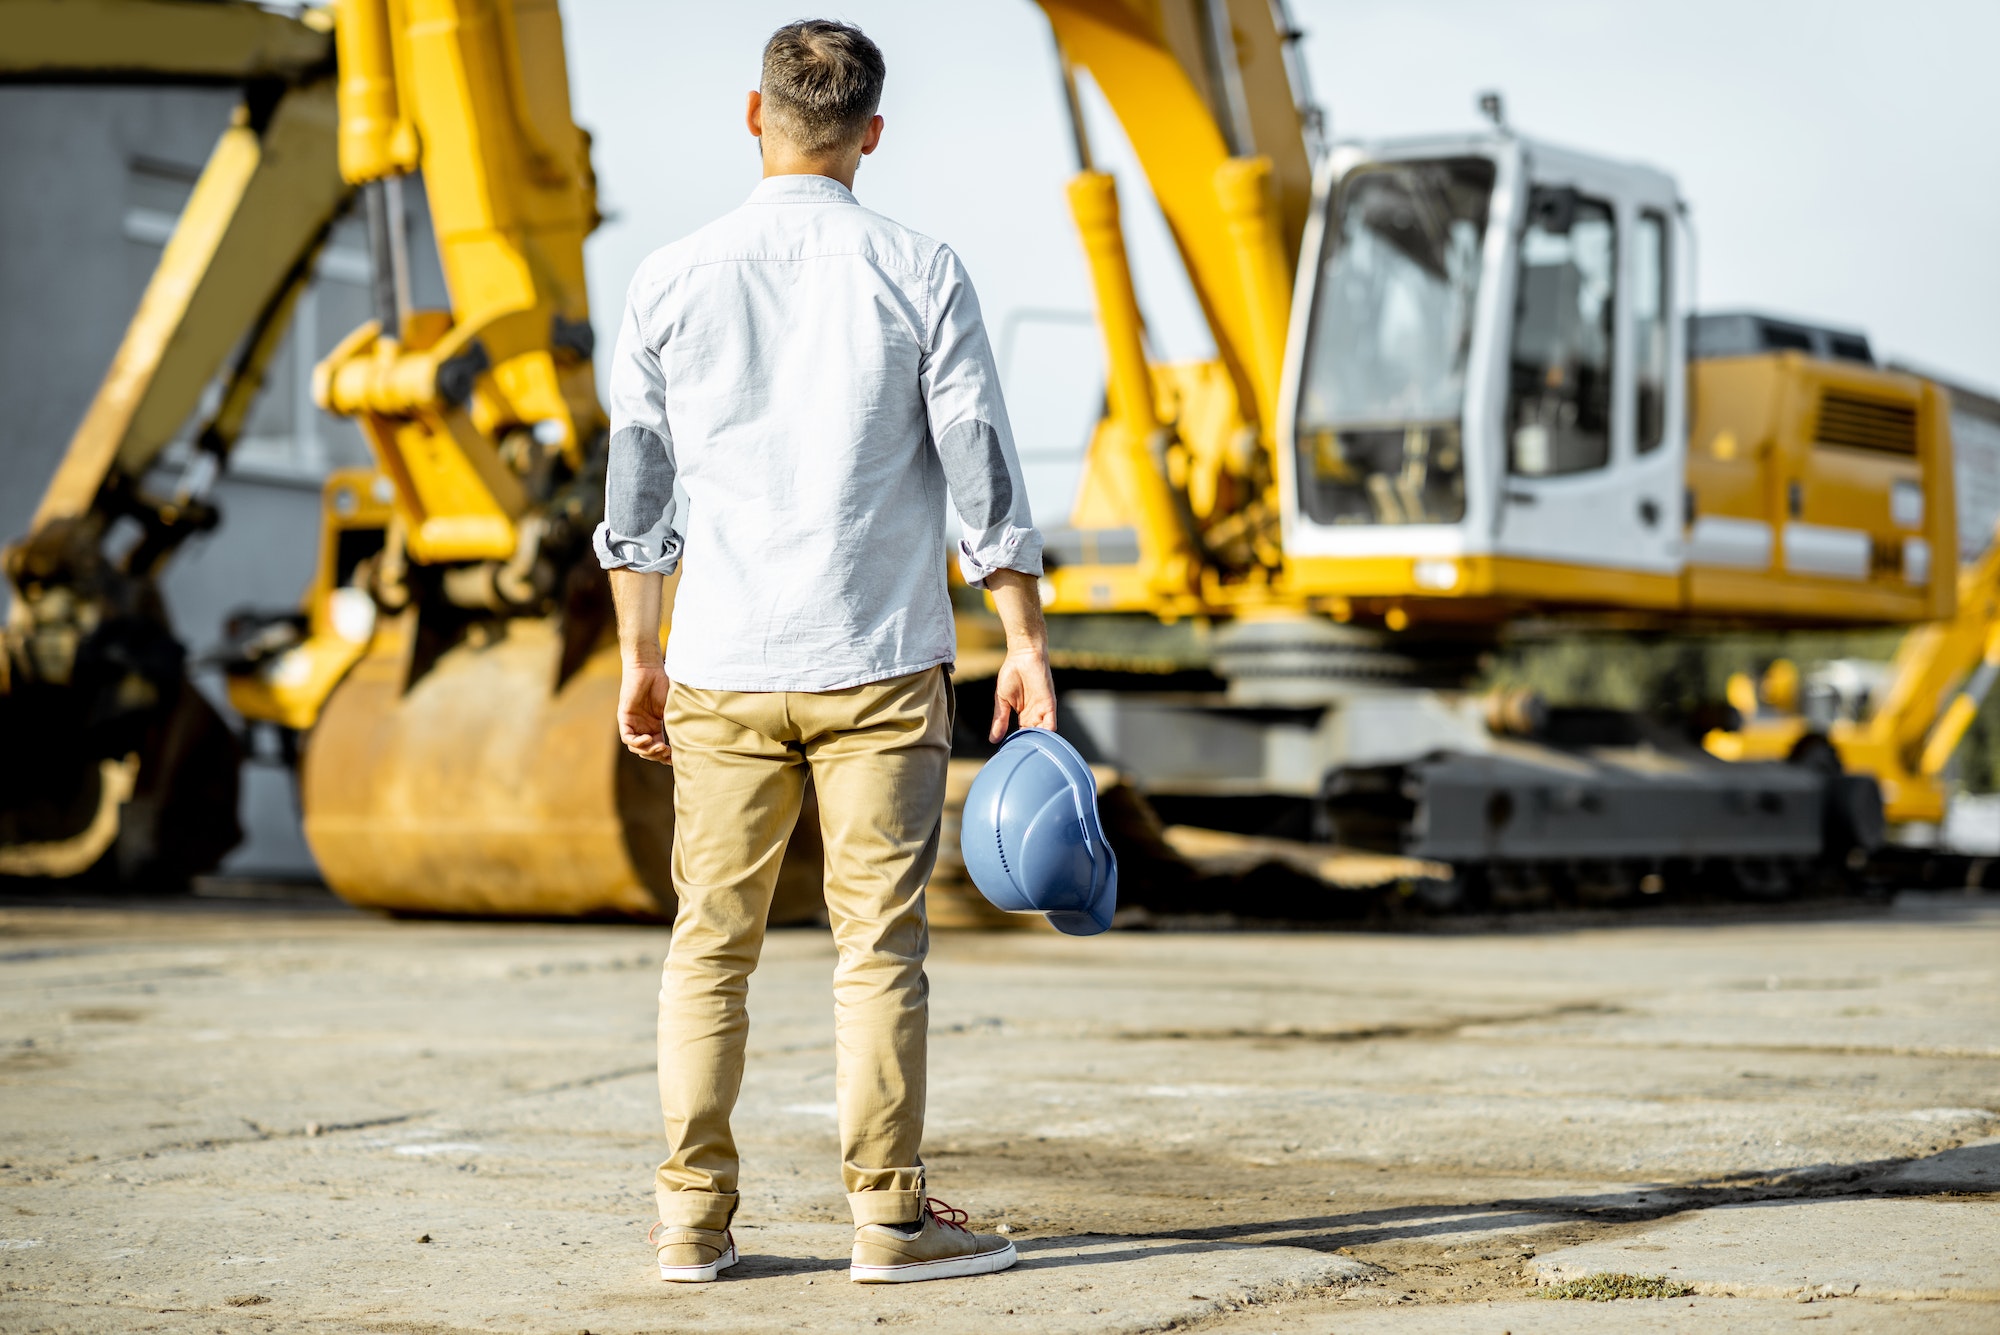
[1031, 838]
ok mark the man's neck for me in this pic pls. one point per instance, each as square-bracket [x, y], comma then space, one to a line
[841, 168]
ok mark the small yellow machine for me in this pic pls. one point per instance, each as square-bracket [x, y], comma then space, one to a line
[1455, 388]
[1906, 734]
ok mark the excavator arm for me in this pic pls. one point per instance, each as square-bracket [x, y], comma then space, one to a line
[449, 683]
[459, 679]
[243, 246]
[1938, 679]
[463, 406]
[1178, 484]
[1201, 90]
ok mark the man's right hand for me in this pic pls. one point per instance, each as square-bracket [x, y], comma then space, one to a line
[642, 692]
[1024, 688]
[642, 710]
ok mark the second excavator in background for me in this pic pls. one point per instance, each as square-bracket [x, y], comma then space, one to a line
[1458, 393]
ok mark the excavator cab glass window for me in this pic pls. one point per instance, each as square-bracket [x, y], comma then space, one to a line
[1559, 376]
[1649, 329]
[1383, 390]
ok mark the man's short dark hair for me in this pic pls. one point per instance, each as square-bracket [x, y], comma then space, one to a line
[822, 81]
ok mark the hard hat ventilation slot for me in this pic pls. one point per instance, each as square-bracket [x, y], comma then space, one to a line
[1001, 847]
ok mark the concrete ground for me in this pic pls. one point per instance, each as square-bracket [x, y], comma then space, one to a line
[274, 1117]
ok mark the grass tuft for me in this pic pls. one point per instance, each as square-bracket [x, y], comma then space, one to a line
[1609, 1288]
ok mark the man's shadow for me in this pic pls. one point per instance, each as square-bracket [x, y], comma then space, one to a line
[1970, 1169]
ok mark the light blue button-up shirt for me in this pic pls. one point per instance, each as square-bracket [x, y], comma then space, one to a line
[815, 378]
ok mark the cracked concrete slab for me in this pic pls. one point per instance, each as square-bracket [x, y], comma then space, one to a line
[1829, 1247]
[246, 1121]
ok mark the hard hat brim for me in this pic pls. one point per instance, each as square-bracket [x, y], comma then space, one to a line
[1096, 918]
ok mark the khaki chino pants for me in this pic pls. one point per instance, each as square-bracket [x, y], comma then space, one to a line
[877, 755]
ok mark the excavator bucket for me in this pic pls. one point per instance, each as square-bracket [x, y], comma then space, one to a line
[486, 783]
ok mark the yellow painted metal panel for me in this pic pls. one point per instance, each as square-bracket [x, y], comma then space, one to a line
[141, 40]
[1744, 596]
[511, 197]
[1482, 587]
[1762, 449]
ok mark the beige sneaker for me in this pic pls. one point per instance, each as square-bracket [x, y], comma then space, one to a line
[941, 1248]
[692, 1255]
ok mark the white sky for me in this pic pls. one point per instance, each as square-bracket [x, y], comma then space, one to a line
[1842, 159]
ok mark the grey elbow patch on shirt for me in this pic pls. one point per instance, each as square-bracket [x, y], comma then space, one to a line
[638, 481]
[975, 468]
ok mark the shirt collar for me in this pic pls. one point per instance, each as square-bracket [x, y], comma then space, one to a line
[792, 189]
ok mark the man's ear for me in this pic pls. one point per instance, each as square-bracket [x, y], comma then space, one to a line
[753, 116]
[872, 136]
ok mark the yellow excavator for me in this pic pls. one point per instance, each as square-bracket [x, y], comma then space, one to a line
[1455, 390]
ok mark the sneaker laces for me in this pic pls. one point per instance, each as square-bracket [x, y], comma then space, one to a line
[947, 1215]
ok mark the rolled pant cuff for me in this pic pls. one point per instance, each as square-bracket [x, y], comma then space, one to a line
[885, 1207]
[697, 1209]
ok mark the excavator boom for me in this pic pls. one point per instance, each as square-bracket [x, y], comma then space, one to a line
[1199, 85]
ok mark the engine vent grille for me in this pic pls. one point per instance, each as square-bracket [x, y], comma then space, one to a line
[1866, 424]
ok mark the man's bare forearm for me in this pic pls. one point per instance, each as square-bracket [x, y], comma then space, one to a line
[637, 598]
[1018, 599]
[1023, 686]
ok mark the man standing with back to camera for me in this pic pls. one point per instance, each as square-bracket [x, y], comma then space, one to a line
[814, 377]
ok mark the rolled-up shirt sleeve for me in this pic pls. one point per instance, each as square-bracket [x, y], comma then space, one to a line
[641, 530]
[968, 424]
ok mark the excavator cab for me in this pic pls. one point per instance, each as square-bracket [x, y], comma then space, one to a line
[1491, 407]
[1481, 388]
